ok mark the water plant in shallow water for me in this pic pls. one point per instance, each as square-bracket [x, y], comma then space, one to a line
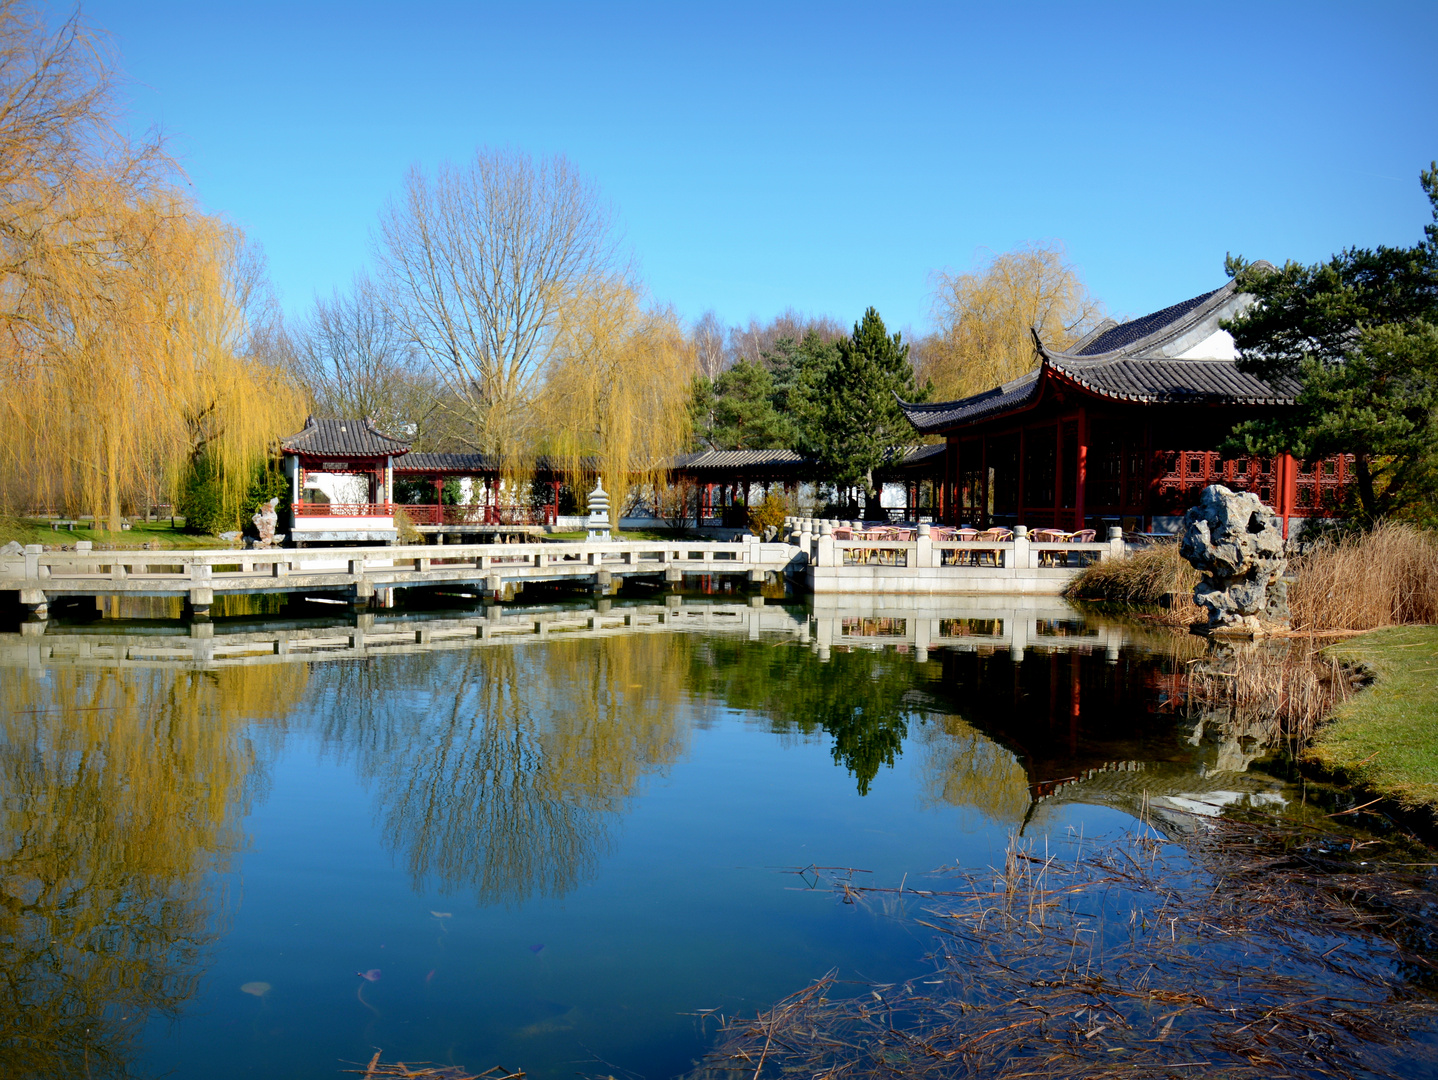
[1250, 947]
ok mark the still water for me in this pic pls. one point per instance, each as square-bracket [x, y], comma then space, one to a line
[548, 838]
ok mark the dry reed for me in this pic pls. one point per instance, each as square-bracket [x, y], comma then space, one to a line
[425, 1070]
[1280, 690]
[1250, 949]
[1153, 576]
[1386, 577]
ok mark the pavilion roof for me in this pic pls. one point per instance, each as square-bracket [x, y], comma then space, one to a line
[342, 438]
[448, 463]
[1177, 355]
[787, 462]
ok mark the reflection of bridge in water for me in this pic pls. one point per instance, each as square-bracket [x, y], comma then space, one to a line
[1012, 624]
[1086, 718]
[964, 623]
[215, 645]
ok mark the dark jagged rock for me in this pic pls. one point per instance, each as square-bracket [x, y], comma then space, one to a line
[1238, 543]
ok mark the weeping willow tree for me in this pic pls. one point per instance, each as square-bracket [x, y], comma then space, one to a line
[984, 318]
[120, 360]
[615, 398]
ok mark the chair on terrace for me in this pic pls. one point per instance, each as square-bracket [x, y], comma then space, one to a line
[1083, 536]
[991, 557]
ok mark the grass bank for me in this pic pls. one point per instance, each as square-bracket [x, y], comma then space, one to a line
[158, 534]
[1385, 739]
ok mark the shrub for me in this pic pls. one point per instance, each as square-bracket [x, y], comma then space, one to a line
[408, 534]
[1151, 576]
[771, 511]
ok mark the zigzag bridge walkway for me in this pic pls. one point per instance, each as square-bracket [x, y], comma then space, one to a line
[821, 563]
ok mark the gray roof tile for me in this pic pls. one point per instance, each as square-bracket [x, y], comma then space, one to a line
[1125, 362]
[342, 438]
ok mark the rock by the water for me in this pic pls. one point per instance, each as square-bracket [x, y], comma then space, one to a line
[1238, 543]
[265, 522]
[13, 548]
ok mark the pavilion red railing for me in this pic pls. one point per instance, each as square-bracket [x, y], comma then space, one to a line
[432, 514]
[380, 510]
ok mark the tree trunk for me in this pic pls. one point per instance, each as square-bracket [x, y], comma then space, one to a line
[112, 483]
[1365, 486]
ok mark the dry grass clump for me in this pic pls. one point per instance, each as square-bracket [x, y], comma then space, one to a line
[1386, 577]
[1248, 950]
[425, 1070]
[1152, 576]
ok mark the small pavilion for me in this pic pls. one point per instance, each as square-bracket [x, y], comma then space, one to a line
[1122, 428]
[341, 482]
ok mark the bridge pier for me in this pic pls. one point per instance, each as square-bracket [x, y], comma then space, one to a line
[35, 603]
[198, 603]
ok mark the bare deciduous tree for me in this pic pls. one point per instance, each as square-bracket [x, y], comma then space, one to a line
[708, 338]
[356, 361]
[478, 259]
[984, 318]
[756, 340]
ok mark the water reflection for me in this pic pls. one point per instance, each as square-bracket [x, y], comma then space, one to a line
[498, 772]
[123, 794]
[500, 749]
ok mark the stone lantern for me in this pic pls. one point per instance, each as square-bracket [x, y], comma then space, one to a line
[599, 513]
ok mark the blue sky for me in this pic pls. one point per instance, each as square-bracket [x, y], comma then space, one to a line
[827, 156]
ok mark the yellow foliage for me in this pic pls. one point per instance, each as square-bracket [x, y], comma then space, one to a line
[616, 390]
[985, 318]
[119, 300]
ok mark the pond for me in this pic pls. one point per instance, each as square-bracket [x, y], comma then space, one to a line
[568, 844]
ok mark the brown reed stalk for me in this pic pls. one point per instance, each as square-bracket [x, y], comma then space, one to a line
[1279, 690]
[1152, 576]
[1250, 948]
[1385, 577]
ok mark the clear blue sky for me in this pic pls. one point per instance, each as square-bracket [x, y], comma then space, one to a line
[825, 156]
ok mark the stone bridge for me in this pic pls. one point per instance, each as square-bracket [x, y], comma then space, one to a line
[39, 578]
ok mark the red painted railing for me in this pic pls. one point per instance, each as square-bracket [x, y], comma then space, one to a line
[431, 514]
[376, 510]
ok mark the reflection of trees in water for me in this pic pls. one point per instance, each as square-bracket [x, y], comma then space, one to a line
[862, 699]
[964, 767]
[497, 769]
[121, 792]
[865, 700]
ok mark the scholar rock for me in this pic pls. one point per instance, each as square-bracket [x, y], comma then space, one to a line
[265, 522]
[1237, 542]
[12, 548]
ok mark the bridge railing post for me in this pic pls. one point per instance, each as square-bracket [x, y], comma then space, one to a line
[1116, 547]
[924, 547]
[1020, 551]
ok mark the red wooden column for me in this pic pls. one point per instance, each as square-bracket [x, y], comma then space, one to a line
[1019, 494]
[984, 493]
[1082, 481]
[1285, 488]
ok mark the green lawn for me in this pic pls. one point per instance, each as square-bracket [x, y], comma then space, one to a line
[157, 534]
[1386, 737]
